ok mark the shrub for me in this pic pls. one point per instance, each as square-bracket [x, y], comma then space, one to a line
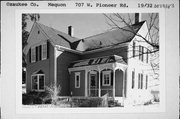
[27, 99]
[87, 102]
[33, 98]
[53, 92]
[148, 102]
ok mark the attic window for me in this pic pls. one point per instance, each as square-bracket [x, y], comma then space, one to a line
[38, 32]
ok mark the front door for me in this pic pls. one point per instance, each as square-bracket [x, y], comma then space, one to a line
[93, 91]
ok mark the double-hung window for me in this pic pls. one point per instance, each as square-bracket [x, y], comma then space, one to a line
[106, 78]
[141, 53]
[38, 82]
[77, 80]
[140, 81]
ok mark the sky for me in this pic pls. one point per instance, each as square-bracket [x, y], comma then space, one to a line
[84, 25]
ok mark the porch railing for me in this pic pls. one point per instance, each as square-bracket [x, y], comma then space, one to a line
[95, 92]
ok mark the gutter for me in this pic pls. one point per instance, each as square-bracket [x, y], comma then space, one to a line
[62, 48]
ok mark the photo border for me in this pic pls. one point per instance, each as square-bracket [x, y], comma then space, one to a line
[21, 110]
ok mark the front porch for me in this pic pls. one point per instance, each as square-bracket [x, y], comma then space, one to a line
[103, 76]
[105, 79]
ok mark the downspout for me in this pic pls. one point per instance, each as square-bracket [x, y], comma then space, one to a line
[57, 53]
[55, 68]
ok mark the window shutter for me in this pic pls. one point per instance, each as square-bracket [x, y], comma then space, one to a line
[136, 51]
[30, 55]
[112, 78]
[48, 46]
[141, 81]
[146, 81]
[133, 79]
[138, 80]
[139, 52]
[134, 48]
[40, 54]
[101, 78]
[36, 50]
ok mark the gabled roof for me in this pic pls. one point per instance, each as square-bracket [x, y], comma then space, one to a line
[57, 36]
[54, 36]
[116, 36]
[103, 40]
[97, 61]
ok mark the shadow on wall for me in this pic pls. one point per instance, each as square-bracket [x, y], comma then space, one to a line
[63, 77]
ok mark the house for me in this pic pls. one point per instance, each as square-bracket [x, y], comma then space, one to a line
[116, 62]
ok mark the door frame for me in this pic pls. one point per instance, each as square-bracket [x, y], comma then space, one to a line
[93, 73]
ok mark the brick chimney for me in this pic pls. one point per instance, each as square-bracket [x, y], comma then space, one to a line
[137, 18]
[70, 31]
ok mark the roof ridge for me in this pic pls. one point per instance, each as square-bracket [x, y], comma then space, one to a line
[56, 30]
[142, 22]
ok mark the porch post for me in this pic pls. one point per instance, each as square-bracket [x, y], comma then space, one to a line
[114, 82]
[99, 94]
[86, 72]
[124, 83]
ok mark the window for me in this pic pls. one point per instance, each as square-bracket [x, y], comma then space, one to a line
[41, 82]
[33, 54]
[140, 81]
[147, 56]
[142, 58]
[38, 82]
[44, 51]
[38, 53]
[141, 52]
[133, 76]
[139, 78]
[106, 78]
[77, 80]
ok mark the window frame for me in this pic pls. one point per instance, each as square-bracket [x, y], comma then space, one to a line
[109, 74]
[79, 75]
[38, 75]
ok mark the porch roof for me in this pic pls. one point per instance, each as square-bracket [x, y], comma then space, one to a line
[97, 60]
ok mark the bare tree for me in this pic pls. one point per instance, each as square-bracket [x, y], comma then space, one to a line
[119, 20]
[25, 35]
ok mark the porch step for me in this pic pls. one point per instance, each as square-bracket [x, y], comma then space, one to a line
[119, 100]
